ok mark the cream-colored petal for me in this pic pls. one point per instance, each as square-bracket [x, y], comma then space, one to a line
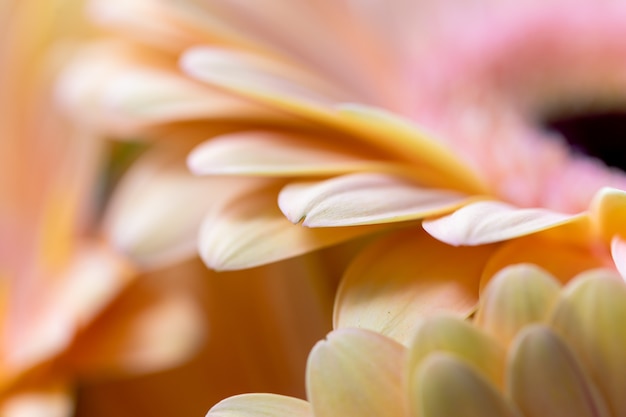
[406, 276]
[562, 259]
[363, 198]
[607, 212]
[249, 230]
[491, 221]
[461, 339]
[276, 154]
[157, 209]
[445, 386]
[261, 405]
[544, 378]
[437, 165]
[47, 400]
[356, 373]
[590, 316]
[517, 296]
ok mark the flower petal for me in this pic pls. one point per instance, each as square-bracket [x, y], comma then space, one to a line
[256, 405]
[250, 230]
[618, 252]
[445, 386]
[546, 379]
[276, 154]
[363, 198]
[590, 316]
[462, 340]
[405, 276]
[48, 399]
[356, 373]
[607, 212]
[517, 296]
[491, 221]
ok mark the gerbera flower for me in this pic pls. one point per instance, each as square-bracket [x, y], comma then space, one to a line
[532, 348]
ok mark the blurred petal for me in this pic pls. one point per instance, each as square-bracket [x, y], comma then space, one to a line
[590, 316]
[405, 276]
[356, 373]
[517, 296]
[445, 386]
[255, 405]
[607, 211]
[545, 379]
[365, 198]
[276, 154]
[490, 221]
[561, 259]
[459, 338]
[54, 400]
[250, 231]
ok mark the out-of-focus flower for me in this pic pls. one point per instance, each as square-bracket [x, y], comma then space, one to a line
[533, 349]
[480, 170]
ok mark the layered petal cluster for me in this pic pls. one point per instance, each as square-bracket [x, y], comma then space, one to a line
[534, 348]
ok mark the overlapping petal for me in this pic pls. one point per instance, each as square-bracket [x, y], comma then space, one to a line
[249, 405]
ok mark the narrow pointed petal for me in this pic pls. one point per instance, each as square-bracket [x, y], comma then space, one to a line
[590, 316]
[250, 78]
[405, 276]
[490, 221]
[462, 340]
[545, 378]
[250, 231]
[517, 296]
[607, 212]
[256, 405]
[363, 198]
[445, 386]
[562, 259]
[276, 154]
[356, 373]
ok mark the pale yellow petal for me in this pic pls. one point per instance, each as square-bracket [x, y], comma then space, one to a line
[445, 386]
[607, 212]
[491, 221]
[517, 296]
[269, 153]
[250, 230]
[356, 373]
[562, 259]
[405, 276]
[546, 379]
[261, 405]
[363, 198]
[461, 339]
[590, 316]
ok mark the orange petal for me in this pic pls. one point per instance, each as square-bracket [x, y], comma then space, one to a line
[250, 231]
[359, 199]
[356, 373]
[405, 276]
[491, 221]
[255, 405]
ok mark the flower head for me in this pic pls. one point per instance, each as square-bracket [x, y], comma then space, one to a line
[532, 348]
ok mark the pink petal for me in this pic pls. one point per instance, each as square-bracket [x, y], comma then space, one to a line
[359, 199]
[489, 221]
[618, 251]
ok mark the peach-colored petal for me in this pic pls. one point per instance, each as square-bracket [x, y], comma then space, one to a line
[406, 276]
[518, 295]
[545, 378]
[356, 373]
[590, 316]
[363, 198]
[445, 386]
[447, 334]
[561, 258]
[157, 209]
[277, 154]
[249, 230]
[490, 221]
[255, 405]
